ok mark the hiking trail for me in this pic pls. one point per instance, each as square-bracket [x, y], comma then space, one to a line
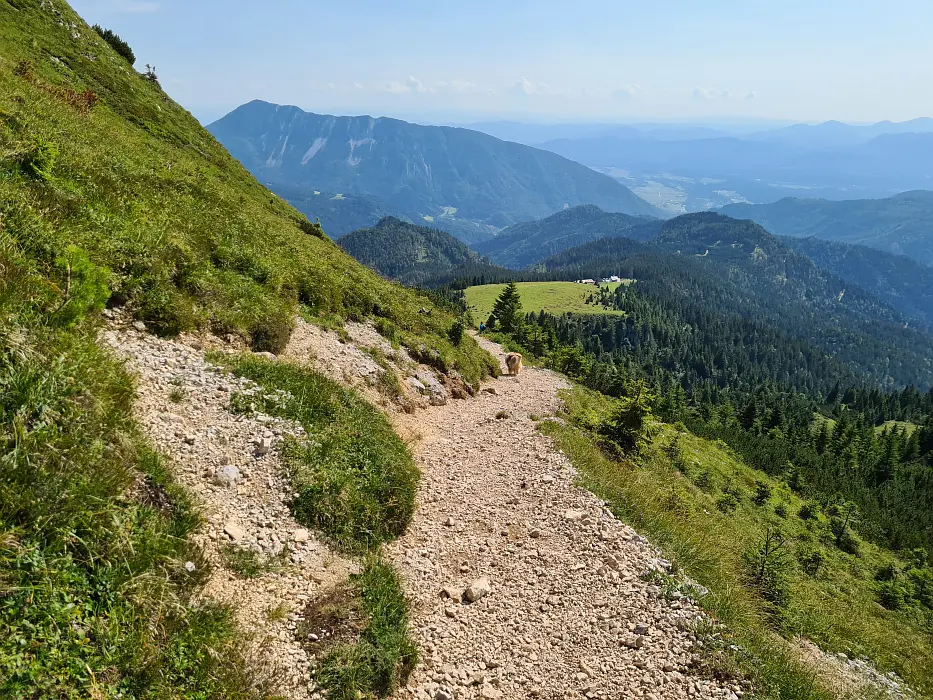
[564, 610]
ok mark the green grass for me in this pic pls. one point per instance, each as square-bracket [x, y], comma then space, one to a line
[354, 478]
[677, 507]
[95, 600]
[553, 297]
[247, 563]
[383, 655]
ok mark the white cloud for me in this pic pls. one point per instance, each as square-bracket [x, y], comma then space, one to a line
[708, 94]
[462, 86]
[627, 92]
[416, 85]
[358, 86]
[410, 85]
[523, 86]
[751, 95]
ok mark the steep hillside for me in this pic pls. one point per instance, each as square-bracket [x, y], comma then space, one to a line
[902, 225]
[434, 171]
[524, 244]
[904, 284]
[407, 253]
[113, 195]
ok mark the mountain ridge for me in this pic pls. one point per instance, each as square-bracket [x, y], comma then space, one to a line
[429, 171]
[900, 224]
[406, 252]
[526, 243]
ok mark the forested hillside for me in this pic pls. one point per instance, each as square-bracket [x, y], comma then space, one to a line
[899, 225]
[527, 243]
[407, 253]
[724, 314]
[435, 171]
[899, 281]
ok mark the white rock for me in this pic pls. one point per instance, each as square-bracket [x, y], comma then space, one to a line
[227, 476]
[263, 446]
[480, 588]
[234, 531]
[301, 535]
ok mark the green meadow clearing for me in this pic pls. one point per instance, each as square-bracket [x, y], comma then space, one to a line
[553, 297]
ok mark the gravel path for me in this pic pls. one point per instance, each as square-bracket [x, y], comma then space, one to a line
[561, 609]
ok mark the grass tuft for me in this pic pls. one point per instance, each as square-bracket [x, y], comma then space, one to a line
[379, 661]
[354, 478]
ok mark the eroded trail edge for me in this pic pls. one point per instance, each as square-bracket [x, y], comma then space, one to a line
[561, 606]
[231, 465]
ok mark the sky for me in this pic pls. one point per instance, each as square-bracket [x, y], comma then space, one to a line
[741, 61]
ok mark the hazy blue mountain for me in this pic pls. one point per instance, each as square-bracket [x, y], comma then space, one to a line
[428, 171]
[532, 134]
[340, 214]
[899, 281]
[524, 244]
[835, 134]
[695, 157]
[407, 253]
[902, 224]
[831, 161]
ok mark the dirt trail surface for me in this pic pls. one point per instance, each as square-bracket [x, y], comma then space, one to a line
[230, 464]
[560, 609]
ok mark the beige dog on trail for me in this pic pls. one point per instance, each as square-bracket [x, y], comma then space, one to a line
[514, 362]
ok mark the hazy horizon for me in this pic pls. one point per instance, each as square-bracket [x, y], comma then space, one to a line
[603, 61]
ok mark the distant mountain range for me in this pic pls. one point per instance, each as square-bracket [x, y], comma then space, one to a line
[524, 244]
[824, 135]
[408, 253]
[902, 224]
[885, 164]
[435, 174]
[683, 168]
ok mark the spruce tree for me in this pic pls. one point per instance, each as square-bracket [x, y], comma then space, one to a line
[507, 311]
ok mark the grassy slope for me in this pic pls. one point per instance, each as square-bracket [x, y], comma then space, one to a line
[836, 607]
[186, 234]
[109, 190]
[553, 297]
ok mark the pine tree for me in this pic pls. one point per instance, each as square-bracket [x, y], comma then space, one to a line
[507, 311]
